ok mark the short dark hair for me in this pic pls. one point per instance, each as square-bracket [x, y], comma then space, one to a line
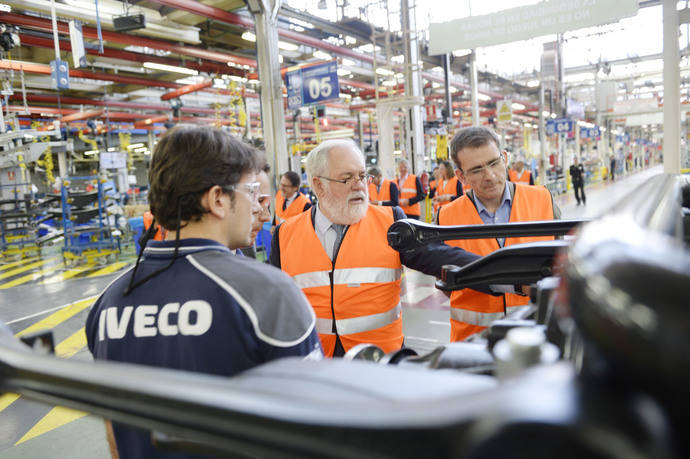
[293, 177]
[472, 137]
[187, 161]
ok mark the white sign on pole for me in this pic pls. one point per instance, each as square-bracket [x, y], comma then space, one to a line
[525, 22]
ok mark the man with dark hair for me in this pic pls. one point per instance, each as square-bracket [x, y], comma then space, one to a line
[577, 176]
[189, 303]
[381, 192]
[289, 200]
[482, 165]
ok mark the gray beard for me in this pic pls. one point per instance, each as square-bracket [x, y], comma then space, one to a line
[344, 213]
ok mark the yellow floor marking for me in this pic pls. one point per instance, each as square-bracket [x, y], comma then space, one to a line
[57, 417]
[68, 274]
[60, 316]
[7, 399]
[109, 269]
[12, 264]
[71, 345]
[21, 269]
[32, 276]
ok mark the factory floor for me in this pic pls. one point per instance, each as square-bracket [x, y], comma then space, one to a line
[42, 292]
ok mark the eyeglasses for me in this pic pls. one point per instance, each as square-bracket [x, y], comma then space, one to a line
[349, 181]
[494, 164]
[265, 200]
[250, 189]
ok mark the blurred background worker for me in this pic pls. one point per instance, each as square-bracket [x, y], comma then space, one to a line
[518, 173]
[411, 191]
[448, 187]
[481, 163]
[577, 175]
[190, 303]
[289, 200]
[339, 254]
[381, 192]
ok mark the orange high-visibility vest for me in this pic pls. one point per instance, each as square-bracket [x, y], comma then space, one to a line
[524, 176]
[358, 295]
[383, 195]
[408, 190]
[160, 232]
[472, 311]
[296, 206]
[446, 187]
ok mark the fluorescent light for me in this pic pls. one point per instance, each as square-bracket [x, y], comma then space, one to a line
[350, 40]
[287, 46]
[517, 106]
[322, 55]
[134, 145]
[348, 62]
[238, 78]
[90, 152]
[112, 149]
[382, 71]
[142, 149]
[248, 36]
[389, 83]
[170, 68]
[483, 97]
[533, 83]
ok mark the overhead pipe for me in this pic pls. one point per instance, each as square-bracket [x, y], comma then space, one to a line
[44, 25]
[82, 115]
[149, 122]
[44, 69]
[211, 67]
[188, 89]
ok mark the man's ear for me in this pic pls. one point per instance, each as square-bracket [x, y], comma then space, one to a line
[213, 201]
[318, 186]
[460, 176]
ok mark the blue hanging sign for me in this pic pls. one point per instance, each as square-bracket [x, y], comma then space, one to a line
[590, 133]
[559, 126]
[313, 84]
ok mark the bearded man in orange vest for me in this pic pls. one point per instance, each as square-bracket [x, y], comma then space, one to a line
[411, 191]
[338, 254]
[481, 164]
[381, 192]
[289, 201]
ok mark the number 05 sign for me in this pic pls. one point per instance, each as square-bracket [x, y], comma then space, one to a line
[312, 84]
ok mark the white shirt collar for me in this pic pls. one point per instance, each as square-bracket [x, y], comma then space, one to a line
[321, 222]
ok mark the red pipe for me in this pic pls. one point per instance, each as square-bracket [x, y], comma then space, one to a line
[211, 67]
[45, 70]
[45, 25]
[149, 121]
[190, 88]
[82, 115]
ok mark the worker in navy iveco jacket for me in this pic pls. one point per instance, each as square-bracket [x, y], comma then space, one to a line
[189, 303]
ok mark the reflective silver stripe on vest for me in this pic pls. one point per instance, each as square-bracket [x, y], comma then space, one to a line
[480, 319]
[408, 190]
[351, 276]
[359, 324]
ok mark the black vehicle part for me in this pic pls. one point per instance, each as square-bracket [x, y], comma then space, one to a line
[365, 351]
[409, 234]
[515, 264]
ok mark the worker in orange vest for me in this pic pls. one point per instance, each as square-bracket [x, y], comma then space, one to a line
[381, 192]
[411, 191]
[481, 163]
[518, 173]
[289, 200]
[449, 187]
[160, 232]
[436, 174]
[338, 254]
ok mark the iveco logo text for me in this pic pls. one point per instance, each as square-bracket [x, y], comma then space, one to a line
[193, 318]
